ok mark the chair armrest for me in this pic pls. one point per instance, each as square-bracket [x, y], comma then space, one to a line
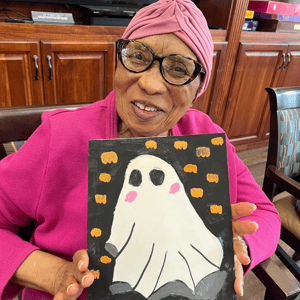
[284, 182]
[277, 282]
[19, 122]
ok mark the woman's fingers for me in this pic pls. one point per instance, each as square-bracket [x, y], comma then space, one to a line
[239, 279]
[242, 209]
[83, 275]
[73, 277]
[81, 258]
[73, 288]
[85, 279]
[241, 251]
[59, 296]
[240, 228]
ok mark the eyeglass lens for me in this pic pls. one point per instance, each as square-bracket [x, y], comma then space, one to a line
[176, 69]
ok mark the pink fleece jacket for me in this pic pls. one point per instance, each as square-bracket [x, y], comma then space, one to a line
[47, 180]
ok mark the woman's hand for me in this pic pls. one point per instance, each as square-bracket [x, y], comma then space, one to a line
[240, 228]
[73, 277]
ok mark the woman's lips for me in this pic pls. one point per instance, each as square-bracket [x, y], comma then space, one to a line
[145, 111]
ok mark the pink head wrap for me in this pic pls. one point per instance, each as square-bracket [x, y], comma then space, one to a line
[182, 18]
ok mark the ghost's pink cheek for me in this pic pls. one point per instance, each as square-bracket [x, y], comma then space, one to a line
[175, 187]
[130, 197]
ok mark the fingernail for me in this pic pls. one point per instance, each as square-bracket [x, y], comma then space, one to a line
[83, 278]
[69, 287]
[80, 264]
[255, 207]
[242, 286]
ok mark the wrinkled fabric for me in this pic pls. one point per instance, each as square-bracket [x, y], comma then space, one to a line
[53, 189]
[185, 20]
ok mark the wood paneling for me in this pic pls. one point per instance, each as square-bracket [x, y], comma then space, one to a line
[235, 24]
[214, 15]
[247, 110]
[83, 65]
[13, 9]
[290, 73]
[59, 32]
[17, 77]
[82, 71]
[206, 102]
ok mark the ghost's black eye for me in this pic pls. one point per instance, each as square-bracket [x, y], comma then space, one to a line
[135, 178]
[157, 177]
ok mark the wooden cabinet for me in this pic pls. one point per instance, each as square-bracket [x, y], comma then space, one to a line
[258, 66]
[17, 76]
[45, 72]
[289, 76]
[77, 71]
[82, 60]
[290, 71]
[206, 102]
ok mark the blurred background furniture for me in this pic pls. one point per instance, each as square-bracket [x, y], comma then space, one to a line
[83, 64]
[18, 123]
[16, 126]
[282, 175]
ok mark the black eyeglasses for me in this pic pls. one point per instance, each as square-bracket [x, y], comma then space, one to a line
[176, 69]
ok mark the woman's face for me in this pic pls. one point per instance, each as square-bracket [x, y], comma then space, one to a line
[146, 103]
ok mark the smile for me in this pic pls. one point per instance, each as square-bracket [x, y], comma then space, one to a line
[145, 107]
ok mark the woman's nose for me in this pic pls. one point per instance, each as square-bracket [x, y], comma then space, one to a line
[152, 81]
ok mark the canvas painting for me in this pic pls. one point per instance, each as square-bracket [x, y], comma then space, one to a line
[159, 219]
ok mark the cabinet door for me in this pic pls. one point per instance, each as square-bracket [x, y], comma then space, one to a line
[247, 108]
[290, 70]
[206, 102]
[19, 85]
[77, 71]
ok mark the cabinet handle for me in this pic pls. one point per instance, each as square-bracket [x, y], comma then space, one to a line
[289, 60]
[50, 67]
[283, 55]
[35, 58]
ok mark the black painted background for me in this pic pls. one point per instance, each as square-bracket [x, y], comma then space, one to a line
[101, 216]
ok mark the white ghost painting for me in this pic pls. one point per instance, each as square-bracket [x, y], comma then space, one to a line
[160, 244]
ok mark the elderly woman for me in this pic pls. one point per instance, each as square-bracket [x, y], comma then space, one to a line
[165, 61]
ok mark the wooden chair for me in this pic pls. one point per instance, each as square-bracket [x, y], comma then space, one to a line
[282, 175]
[18, 123]
[16, 126]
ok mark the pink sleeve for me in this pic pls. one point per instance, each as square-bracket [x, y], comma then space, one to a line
[262, 244]
[20, 189]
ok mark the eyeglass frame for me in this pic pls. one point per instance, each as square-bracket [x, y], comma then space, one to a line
[198, 67]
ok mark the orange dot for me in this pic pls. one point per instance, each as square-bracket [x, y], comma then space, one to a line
[217, 141]
[96, 274]
[190, 168]
[105, 259]
[101, 199]
[109, 157]
[212, 178]
[151, 144]
[197, 193]
[104, 177]
[203, 152]
[96, 232]
[180, 145]
[216, 209]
